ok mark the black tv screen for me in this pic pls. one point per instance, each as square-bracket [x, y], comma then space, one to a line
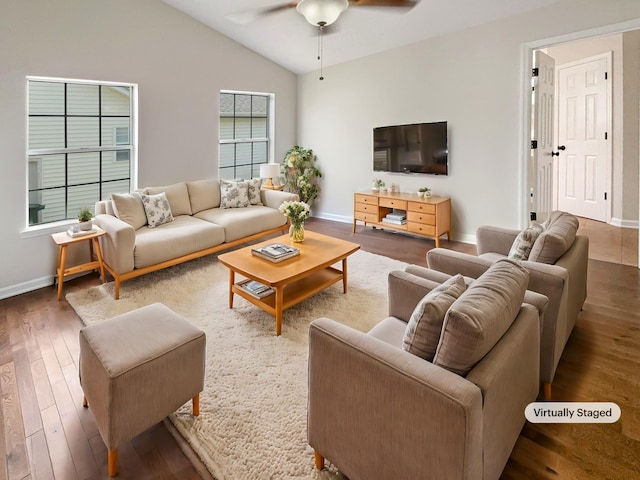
[415, 148]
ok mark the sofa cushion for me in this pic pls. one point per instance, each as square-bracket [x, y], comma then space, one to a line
[128, 208]
[178, 197]
[423, 329]
[557, 237]
[204, 194]
[253, 187]
[234, 194]
[522, 245]
[241, 222]
[481, 315]
[182, 236]
[157, 209]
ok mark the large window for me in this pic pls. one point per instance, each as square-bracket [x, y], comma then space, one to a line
[245, 131]
[80, 145]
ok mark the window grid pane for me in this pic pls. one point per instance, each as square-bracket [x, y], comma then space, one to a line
[244, 118]
[67, 116]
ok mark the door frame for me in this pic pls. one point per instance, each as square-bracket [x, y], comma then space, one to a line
[526, 65]
[609, 105]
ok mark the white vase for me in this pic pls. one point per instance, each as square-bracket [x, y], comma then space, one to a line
[84, 226]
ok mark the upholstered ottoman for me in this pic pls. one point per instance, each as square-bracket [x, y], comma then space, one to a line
[136, 369]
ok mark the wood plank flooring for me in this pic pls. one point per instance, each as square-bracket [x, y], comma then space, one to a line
[45, 433]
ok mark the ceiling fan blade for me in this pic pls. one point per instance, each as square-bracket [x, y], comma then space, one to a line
[383, 3]
[248, 16]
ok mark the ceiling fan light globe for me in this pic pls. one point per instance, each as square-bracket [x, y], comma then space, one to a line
[321, 12]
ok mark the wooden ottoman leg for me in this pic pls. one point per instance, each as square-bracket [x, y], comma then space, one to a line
[112, 457]
[319, 460]
[196, 405]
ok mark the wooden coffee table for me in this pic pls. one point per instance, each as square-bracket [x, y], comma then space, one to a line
[294, 279]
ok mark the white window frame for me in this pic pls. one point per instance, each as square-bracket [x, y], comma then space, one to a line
[55, 226]
[270, 125]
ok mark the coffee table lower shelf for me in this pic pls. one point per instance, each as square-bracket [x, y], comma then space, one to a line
[290, 294]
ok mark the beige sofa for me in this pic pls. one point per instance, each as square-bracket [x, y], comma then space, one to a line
[557, 264]
[377, 411]
[198, 225]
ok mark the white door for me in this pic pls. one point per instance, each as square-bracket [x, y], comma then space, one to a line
[542, 171]
[583, 119]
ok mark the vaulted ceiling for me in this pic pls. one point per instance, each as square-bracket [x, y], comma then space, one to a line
[286, 38]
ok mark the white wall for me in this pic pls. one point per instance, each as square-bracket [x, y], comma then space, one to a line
[180, 66]
[473, 80]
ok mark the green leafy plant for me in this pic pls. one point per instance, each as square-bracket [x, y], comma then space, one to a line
[84, 215]
[301, 175]
[424, 189]
[377, 183]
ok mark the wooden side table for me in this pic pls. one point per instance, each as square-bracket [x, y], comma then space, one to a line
[63, 240]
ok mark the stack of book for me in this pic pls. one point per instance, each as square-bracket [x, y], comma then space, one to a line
[397, 217]
[76, 232]
[256, 289]
[275, 252]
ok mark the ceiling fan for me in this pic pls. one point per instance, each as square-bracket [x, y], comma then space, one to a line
[322, 13]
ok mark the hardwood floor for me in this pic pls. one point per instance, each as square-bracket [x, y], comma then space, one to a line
[47, 434]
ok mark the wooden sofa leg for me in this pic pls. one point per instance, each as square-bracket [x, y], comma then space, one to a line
[112, 457]
[85, 403]
[319, 460]
[547, 391]
[196, 405]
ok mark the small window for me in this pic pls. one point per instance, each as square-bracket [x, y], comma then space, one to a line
[245, 134]
[79, 145]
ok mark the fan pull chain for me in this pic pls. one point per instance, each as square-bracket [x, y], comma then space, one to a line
[320, 50]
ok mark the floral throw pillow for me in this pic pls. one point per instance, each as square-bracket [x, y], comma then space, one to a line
[522, 245]
[234, 194]
[254, 191]
[157, 209]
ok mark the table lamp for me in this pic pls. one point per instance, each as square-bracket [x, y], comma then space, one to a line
[269, 171]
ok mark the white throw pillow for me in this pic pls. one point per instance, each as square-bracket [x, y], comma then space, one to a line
[157, 209]
[234, 194]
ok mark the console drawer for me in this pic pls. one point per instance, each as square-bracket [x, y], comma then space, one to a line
[421, 228]
[366, 207]
[393, 203]
[371, 199]
[366, 217]
[422, 207]
[419, 217]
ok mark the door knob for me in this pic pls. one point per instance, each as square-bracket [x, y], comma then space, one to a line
[557, 154]
[561, 147]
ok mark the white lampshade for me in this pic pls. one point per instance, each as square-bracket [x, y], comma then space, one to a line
[269, 171]
[322, 12]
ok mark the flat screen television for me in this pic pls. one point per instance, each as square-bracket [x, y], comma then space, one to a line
[414, 148]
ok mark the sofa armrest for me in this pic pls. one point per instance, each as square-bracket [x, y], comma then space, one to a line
[273, 198]
[495, 239]
[118, 244]
[374, 408]
[405, 291]
[452, 263]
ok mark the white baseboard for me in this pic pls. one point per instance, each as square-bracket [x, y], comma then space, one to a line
[20, 288]
[619, 222]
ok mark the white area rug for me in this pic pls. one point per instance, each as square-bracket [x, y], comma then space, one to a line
[252, 422]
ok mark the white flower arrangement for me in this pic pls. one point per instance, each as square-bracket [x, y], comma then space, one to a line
[297, 212]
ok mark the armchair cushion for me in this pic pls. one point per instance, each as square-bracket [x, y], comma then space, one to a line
[557, 238]
[423, 329]
[479, 318]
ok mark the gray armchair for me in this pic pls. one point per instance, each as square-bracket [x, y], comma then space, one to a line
[377, 411]
[563, 281]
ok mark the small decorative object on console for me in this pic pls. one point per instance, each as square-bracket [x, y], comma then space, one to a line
[378, 184]
[424, 192]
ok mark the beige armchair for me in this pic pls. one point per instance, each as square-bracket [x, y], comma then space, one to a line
[377, 411]
[563, 281]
